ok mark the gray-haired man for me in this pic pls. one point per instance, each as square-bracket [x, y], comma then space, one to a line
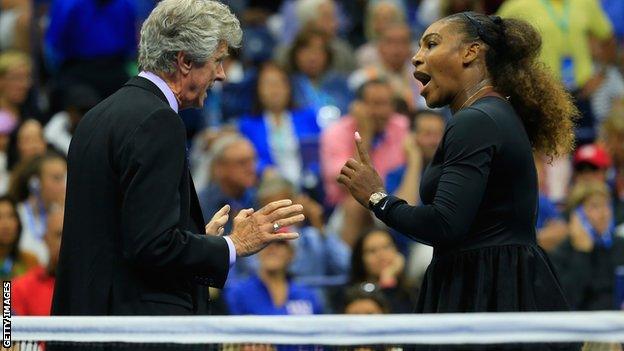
[133, 241]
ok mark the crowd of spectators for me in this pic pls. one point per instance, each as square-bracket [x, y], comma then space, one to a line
[309, 74]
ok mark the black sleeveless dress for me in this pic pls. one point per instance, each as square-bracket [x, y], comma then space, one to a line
[479, 198]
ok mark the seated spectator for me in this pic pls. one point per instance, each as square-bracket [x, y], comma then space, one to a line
[427, 131]
[587, 261]
[77, 101]
[375, 259]
[395, 51]
[32, 292]
[15, 84]
[233, 178]
[270, 291]
[404, 182]
[322, 16]
[609, 91]
[15, 25]
[285, 138]
[14, 261]
[318, 253]
[39, 186]
[379, 14]
[383, 132]
[365, 299]
[90, 42]
[551, 227]
[569, 59]
[7, 125]
[591, 163]
[321, 257]
[430, 11]
[612, 135]
[200, 153]
[315, 85]
[30, 141]
[225, 101]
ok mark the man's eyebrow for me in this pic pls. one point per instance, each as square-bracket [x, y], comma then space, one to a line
[428, 36]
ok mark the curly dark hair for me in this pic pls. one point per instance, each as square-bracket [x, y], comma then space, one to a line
[546, 109]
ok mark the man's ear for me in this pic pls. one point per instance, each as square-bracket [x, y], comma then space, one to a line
[471, 52]
[184, 63]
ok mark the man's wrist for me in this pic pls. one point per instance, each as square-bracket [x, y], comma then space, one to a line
[232, 249]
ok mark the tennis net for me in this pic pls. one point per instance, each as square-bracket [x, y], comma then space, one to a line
[478, 331]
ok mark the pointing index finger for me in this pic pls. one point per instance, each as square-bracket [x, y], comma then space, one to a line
[362, 153]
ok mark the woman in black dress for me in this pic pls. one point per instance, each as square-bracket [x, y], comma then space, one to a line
[480, 192]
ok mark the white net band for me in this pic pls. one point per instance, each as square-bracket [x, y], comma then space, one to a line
[477, 328]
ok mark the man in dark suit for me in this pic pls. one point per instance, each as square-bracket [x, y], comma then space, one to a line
[133, 239]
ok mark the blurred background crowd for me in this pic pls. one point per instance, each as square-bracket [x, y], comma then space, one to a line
[309, 74]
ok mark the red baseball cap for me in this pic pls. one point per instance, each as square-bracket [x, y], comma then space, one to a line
[593, 154]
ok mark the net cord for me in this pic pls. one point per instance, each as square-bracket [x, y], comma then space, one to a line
[474, 328]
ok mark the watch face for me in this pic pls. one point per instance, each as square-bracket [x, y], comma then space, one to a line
[376, 197]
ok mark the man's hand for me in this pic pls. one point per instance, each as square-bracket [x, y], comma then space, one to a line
[253, 231]
[215, 226]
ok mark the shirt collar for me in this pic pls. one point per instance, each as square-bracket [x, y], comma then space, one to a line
[162, 85]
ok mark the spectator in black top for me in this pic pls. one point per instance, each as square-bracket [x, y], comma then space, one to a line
[375, 259]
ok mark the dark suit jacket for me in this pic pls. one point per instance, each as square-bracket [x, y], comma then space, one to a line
[133, 241]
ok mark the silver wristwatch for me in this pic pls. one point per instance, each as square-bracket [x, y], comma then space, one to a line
[375, 198]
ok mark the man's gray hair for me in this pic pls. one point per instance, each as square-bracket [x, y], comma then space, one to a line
[193, 26]
[223, 143]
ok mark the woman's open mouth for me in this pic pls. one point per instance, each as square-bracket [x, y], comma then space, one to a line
[423, 78]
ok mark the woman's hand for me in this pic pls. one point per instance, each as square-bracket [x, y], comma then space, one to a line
[360, 178]
[389, 276]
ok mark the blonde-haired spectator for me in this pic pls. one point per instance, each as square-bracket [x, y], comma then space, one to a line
[612, 137]
[15, 83]
[379, 14]
[587, 260]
